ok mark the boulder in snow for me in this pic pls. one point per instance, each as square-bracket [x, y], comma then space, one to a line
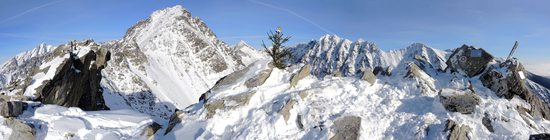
[285, 111]
[346, 128]
[463, 101]
[20, 130]
[302, 73]
[11, 108]
[259, 79]
[229, 102]
[369, 76]
[456, 131]
[470, 60]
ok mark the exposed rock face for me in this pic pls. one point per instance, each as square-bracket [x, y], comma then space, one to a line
[487, 123]
[470, 60]
[77, 82]
[11, 108]
[229, 102]
[346, 128]
[174, 119]
[456, 131]
[543, 136]
[459, 101]
[382, 71]
[285, 111]
[303, 73]
[20, 130]
[152, 129]
[508, 80]
[259, 79]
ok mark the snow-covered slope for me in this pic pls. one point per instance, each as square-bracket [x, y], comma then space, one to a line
[167, 61]
[394, 107]
[333, 55]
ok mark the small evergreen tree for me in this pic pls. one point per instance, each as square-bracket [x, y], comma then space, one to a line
[278, 52]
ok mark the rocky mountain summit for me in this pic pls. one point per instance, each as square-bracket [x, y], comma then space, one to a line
[169, 77]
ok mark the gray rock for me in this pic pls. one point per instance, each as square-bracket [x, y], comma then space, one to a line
[259, 79]
[464, 102]
[302, 73]
[369, 77]
[382, 71]
[174, 119]
[11, 108]
[346, 128]
[285, 111]
[456, 131]
[470, 60]
[20, 130]
[229, 102]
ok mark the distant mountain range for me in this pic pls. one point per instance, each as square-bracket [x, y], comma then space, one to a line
[170, 77]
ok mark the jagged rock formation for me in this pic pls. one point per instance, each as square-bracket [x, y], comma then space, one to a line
[346, 128]
[77, 82]
[472, 61]
[168, 60]
[333, 55]
[508, 79]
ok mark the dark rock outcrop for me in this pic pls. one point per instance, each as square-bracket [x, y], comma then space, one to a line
[174, 119]
[472, 61]
[151, 129]
[459, 101]
[508, 80]
[77, 82]
[456, 131]
[346, 128]
[486, 121]
[543, 136]
[20, 130]
[11, 108]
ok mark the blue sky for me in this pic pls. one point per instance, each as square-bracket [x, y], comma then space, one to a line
[493, 24]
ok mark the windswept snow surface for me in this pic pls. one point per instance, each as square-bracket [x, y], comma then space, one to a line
[392, 108]
[54, 122]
